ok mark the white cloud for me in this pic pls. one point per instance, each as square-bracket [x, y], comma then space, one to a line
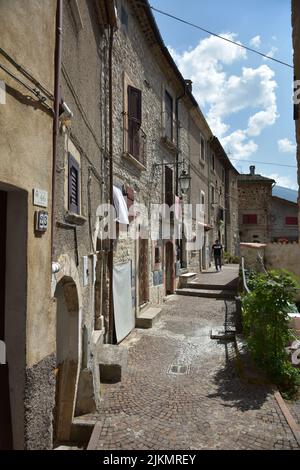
[221, 94]
[286, 146]
[282, 180]
[238, 145]
[271, 52]
[255, 42]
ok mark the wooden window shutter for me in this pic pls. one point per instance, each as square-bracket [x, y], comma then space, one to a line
[134, 120]
[74, 189]
[129, 193]
[169, 197]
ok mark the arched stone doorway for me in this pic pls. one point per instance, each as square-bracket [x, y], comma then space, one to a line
[67, 357]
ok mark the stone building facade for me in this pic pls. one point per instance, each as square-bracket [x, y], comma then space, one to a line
[296, 45]
[255, 193]
[283, 216]
[103, 91]
[26, 308]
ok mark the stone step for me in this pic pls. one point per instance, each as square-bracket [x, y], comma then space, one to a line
[208, 293]
[185, 278]
[198, 285]
[148, 317]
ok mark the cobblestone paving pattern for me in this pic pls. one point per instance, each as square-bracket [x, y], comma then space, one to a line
[204, 406]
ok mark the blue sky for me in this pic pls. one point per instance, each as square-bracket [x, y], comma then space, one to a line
[246, 99]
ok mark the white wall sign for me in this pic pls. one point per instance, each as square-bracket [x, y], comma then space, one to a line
[40, 197]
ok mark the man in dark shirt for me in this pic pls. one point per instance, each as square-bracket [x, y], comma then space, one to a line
[217, 251]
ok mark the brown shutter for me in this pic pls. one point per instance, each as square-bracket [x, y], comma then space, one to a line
[74, 193]
[169, 197]
[134, 120]
[129, 193]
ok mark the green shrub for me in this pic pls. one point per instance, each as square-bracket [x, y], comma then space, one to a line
[266, 324]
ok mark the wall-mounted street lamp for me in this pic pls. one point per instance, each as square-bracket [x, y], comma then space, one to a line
[184, 181]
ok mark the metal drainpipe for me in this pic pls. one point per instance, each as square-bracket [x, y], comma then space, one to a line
[57, 77]
[178, 98]
[111, 253]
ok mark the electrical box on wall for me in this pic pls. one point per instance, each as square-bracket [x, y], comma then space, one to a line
[41, 221]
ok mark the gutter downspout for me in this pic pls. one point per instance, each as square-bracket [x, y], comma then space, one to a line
[57, 82]
[111, 247]
[179, 243]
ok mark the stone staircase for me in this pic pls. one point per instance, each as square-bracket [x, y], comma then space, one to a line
[212, 285]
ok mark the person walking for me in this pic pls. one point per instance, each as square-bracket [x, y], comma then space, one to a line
[217, 252]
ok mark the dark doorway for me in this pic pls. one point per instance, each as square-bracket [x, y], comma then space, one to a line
[143, 271]
[169, 268]
[5, 414]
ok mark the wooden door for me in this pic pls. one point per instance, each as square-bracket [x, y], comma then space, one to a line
[143, 272]
[169, 267]
[5, 416]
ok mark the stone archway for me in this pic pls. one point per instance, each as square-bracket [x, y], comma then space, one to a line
[66, 291]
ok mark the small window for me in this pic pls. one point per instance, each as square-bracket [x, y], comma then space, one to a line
[223, 175]
[289, 220]
[134, 121]
[157, 258]
[202, 201]
[202, 149]
[250, 219]
[212, 194]
[213, 161]
[74, 188]
[168, 115]
[124, 19]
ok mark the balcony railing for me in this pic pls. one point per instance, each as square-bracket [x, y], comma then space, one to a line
[136, 142]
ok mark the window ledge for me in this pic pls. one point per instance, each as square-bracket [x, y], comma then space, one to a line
[169, 144]
[75, 219]
[134, 161]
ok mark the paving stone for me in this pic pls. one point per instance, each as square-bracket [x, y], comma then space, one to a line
[208, 407]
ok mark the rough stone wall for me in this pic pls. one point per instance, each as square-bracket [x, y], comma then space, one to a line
[135, 64]
[84, 91]
[284, 256]
[279, 210]
[275, 255]
[296, 45]
[254, 198]
[26, 163]
[232, 214]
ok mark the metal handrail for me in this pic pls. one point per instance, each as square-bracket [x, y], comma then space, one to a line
[244, 276]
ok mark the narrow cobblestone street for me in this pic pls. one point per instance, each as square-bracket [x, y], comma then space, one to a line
[181, 390]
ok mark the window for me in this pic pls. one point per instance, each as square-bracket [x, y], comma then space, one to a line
[124, 19]
[249, 219]
[290, 220]
[202, 201]
[169, 197]
[213, 161]
[223, 175]
[202, 148]
[169, 116]
[157, 257]
[74, 188]
[212, 194]
[134, 121]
